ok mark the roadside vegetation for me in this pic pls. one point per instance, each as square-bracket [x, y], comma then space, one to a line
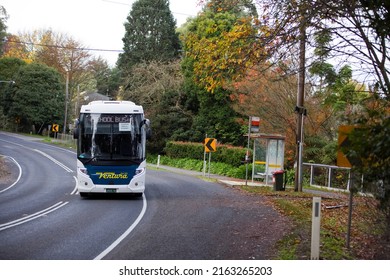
[368, 232]
[367, 240]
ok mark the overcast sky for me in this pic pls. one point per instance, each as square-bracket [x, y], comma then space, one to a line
[97, 24]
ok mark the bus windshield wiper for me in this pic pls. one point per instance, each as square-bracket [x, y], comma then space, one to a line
[135, 161]
[90, 159]
[96, 158]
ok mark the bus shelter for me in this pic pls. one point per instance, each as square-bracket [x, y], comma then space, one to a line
[268, 156]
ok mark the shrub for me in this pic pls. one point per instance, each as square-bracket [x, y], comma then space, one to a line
[218, 168]
[230, 155]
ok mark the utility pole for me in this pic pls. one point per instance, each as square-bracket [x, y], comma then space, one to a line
[300, 109]
[66, 101]
[247, 151]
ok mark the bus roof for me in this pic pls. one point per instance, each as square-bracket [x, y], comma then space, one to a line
[112, 107]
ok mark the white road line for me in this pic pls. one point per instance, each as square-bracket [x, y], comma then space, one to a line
[67, 169]
[33, 216]
[126, 233]
[9, 142]
[75, 187]
[64, 150]
[20, 174]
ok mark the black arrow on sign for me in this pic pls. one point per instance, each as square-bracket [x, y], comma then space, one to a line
[209, 145]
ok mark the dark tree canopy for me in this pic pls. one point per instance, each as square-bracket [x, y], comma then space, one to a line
[150, 34]
[37, 97]
[9, 66]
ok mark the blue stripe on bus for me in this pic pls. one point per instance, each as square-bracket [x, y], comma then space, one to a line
[111, 175]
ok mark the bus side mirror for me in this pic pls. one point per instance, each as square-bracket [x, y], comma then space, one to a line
[148, 129]
[76, 130]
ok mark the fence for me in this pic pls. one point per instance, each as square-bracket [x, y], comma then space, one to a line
[66, 139]
[330, 176]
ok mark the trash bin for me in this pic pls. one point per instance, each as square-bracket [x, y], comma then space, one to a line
[277, 178]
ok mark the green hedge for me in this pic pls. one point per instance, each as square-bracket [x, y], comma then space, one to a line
[224, 153]
[219, 168]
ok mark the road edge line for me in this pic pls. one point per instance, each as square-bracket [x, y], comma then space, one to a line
[126, 233]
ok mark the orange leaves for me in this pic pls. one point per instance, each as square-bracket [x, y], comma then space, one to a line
[14, 49]
[224, 51]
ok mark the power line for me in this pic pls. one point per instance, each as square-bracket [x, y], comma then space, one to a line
[63, 47]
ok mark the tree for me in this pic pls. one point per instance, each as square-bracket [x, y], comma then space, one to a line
[362, 26]
[217, 119]
[222, 43]
[335, 89]
[19, 51]
[369, 142]
[270, 95]
[219, 46]
[107, 79]
[37, 97]
[358, 30]
[8, 68]
[3, 27]
[61, 52]
[64, 54]
[150, 34]
[360, 38]
[158, 87]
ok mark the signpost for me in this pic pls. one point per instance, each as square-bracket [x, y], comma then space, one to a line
[254, 127]
[344, 160]
[210, 146]
[55, 128]
[315, 228]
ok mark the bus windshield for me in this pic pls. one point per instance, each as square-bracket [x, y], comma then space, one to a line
[111, 137]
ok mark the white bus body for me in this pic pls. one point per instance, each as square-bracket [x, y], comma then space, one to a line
[111, 139]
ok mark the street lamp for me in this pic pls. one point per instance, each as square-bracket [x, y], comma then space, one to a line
[10, 82]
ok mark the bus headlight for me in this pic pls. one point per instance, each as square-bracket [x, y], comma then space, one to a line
[84, 170]
[139, 170]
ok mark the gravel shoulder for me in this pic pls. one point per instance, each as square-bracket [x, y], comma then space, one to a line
[6, 173]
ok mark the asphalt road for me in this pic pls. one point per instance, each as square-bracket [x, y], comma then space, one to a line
[191, 219]
[179, 216]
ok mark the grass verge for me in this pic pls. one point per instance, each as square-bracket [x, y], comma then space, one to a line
[366, 240]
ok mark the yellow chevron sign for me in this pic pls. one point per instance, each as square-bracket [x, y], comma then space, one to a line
[55, 127]
[210, 145]
[342, 159]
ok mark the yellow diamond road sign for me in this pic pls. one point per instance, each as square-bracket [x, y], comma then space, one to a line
[210, 145]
